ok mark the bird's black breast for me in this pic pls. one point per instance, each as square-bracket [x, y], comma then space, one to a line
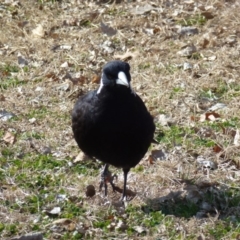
[113, 126]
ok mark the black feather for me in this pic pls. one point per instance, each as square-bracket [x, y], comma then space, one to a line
[113, 125]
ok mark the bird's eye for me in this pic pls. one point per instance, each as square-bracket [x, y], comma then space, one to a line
[110, 77]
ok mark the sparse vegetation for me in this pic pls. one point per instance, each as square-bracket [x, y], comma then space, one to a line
[63, 49]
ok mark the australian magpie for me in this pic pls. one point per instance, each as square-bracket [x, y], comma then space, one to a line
[112, 124]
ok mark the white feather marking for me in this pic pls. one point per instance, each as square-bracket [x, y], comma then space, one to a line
[100, 87]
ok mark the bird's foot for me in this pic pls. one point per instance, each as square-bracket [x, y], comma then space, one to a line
[107, 177]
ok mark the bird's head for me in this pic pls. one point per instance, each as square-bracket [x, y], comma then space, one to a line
[115, 73]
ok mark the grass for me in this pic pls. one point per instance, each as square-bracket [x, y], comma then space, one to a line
[175, 198]
[11, 83]
[194, 20]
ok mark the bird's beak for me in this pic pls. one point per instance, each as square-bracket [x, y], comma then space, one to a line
[122, 79]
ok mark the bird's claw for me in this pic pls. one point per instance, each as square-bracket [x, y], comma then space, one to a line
[106, 176]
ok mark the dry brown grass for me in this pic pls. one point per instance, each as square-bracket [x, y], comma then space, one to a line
[175, 197]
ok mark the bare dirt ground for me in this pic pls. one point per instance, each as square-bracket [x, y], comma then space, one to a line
[185, 64]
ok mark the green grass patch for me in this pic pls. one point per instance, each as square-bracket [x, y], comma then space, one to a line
[11, 83]
[203, 142]
[85, 23]
[144, 65]
[7, 80]
[167, 69]
[33, 134]
[187, 137]
[196, 56]
[8, 69]
[73, 236]
[171, 69]
[174, 135]
[116, 12]
[71, 210]
[224, 230]
[215, 92]
[195, 20]
[138, 168]
[11, 229]
[39, 112]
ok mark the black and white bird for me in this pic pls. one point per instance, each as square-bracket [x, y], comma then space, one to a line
[112, 124]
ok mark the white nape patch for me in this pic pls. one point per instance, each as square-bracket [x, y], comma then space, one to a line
[122, 79]
[100, 87]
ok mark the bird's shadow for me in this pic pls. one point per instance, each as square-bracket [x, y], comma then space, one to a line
[200, 201]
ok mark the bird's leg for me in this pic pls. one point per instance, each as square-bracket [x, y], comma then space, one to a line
[125, 172]
[106, 176]
[103, 179]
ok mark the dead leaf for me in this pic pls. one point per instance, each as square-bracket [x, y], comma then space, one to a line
[80, 157]
[121, 226]
[71, 227]
[79, 80]
[107, 47]
[54, 212]
[238, 237]
[62, 221]
[96, 79]
[38, 32]
[211, 58]
[217, 148]
[150, 159]
[9, 138]
[204, 42]
[22, 24]
[208, 15]
[64, 65]
[52, 75]
[139, 229]
[108, 30]
[209, 116]
[164, 120]
[71, 22]
[32, 120]
[187, 66]
[194, 118]
[205, 132]
[149, 31]
[2, 98]
[228, 131]
[212, 116]
[126, 56]
[65, 86]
